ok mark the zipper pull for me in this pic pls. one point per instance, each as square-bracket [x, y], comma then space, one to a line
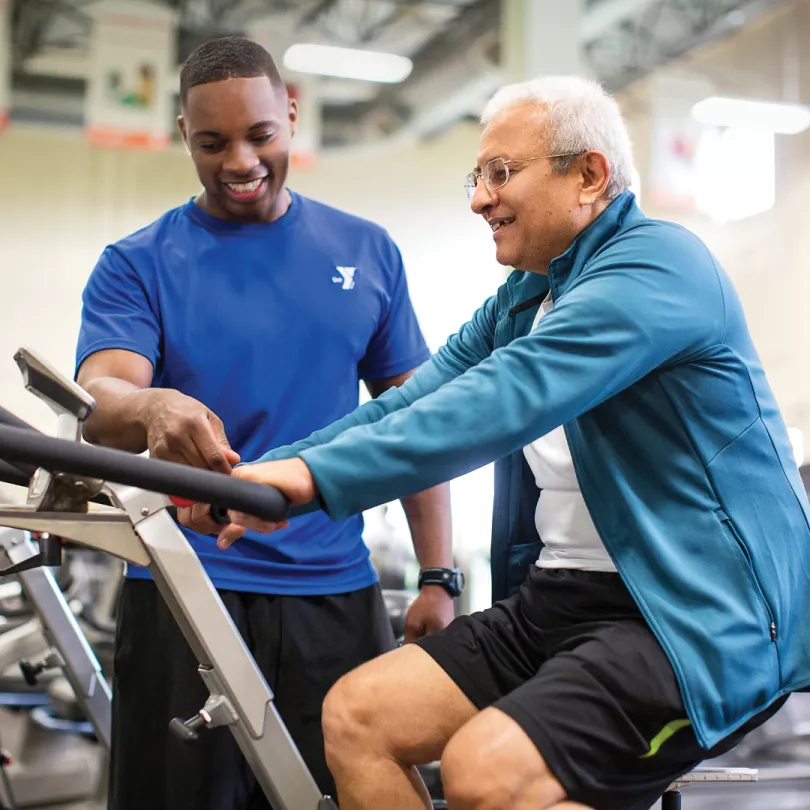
[773, 631]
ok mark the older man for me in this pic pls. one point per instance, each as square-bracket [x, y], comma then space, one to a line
[643, 470]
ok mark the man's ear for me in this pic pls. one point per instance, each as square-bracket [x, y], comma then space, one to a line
[292, 112]
[181, 125]
[595, 169]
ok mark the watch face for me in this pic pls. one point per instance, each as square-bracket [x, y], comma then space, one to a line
[452, 580]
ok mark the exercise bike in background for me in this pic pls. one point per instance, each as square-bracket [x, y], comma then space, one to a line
[55, 662]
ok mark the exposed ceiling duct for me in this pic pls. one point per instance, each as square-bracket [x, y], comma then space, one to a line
[454, 46]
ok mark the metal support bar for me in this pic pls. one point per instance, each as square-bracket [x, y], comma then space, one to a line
[79, 662]
[145, 533]
[142, 531]
[226, 664]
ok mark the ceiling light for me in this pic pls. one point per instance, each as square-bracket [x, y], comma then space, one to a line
[348, 63]
[785, 119]
[721, 190]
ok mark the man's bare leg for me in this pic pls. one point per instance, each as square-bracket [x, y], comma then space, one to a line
[492, 764]
[381, 720]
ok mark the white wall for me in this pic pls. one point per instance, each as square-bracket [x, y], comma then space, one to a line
[61, 203]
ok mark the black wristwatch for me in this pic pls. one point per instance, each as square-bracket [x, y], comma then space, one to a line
[451, 579]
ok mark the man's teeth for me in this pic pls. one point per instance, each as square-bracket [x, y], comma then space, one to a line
[497, 225]
[245, 188]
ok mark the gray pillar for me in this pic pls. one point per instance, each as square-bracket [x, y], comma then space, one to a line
[541, 37]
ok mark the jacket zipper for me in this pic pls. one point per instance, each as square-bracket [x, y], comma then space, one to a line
[749, 564]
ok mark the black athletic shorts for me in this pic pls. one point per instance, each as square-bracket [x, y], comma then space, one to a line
[302, 645]
[572, 661]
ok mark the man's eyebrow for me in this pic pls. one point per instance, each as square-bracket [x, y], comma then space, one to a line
[262, 125]
[484, 159]
[212, 133]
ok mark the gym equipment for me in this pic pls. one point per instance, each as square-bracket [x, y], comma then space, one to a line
[138, 528]
[56, 757]
[66, 645]
[671, 800]
[60, 735]
[396, 605]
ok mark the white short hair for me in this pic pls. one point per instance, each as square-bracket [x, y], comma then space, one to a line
[581, 116]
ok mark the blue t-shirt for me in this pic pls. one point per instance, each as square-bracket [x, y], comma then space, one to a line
[271, 326]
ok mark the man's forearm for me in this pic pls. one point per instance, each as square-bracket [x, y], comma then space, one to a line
[428, 515]
[116, 421]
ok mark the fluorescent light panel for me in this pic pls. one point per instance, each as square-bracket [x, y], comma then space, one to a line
[784, 119]
[348, 63]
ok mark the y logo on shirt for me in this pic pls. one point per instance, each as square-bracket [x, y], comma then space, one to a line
[346, 277]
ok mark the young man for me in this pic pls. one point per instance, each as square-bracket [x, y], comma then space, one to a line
[644, 472]
[242, 319]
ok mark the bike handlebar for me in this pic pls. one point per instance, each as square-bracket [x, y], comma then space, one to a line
[15, 473]
[29, 446]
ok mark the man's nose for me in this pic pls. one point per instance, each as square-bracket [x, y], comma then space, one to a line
[240, 159]
[482, 198]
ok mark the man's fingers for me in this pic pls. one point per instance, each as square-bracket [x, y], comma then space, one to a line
[198, 519]
[229, 534]
[202, 521]
[240, 523]
[212, 452]
[414, 624]
[256, 524]
[184, 515]
[182, 448]
[218, 429]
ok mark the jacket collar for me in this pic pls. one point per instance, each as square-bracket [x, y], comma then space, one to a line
[525, 287]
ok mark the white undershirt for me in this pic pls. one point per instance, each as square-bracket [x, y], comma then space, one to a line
[570, 539]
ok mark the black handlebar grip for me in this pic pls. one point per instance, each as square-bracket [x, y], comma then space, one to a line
[17, 470]
[14, 475]
[219, 515]
[203, 486]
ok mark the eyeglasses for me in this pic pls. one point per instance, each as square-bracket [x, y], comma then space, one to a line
[496, 172]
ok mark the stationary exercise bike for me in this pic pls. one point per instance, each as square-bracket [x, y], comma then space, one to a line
[69, 480]
[138, 527]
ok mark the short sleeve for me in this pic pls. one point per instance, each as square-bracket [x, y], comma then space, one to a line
[118, 311]
[398, 344]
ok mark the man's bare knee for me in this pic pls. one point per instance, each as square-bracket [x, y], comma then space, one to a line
[400, 707]
[491, 764]
[348, 715]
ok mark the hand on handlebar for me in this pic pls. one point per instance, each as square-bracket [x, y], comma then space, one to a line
[181, 429]
[291, 476]
[198, 518]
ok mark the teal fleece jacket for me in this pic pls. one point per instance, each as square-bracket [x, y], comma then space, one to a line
[678, 445]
